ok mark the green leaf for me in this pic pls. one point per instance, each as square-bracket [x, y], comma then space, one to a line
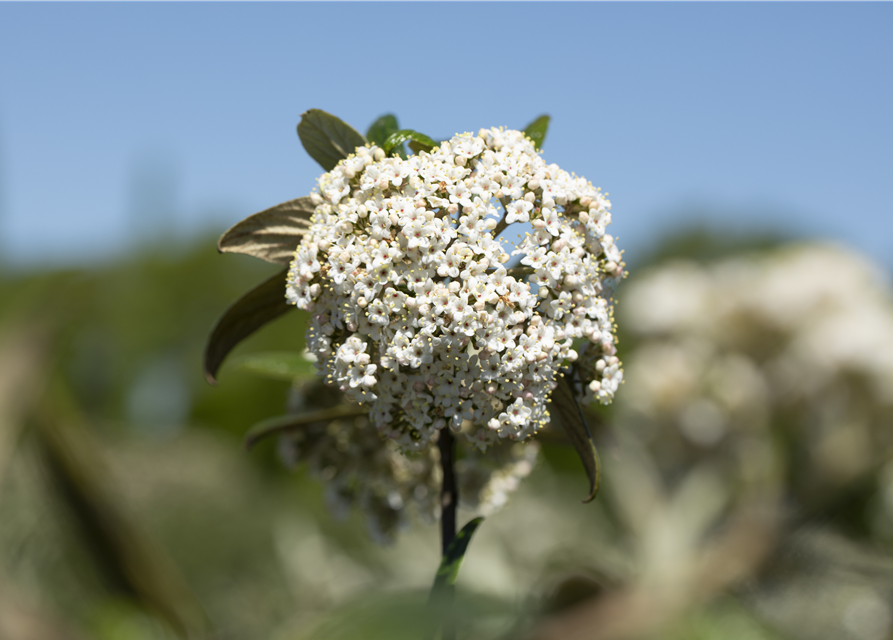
[283, 424]
[574, 424]
[278, 365]
[382, 128]
[326, 138]
[417, 147]
[536, 130]
[271, 235]
[397, 138]
[245, 316]
[452, 559]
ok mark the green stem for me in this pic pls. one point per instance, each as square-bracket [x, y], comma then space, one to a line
[449, 498]
[449, 495]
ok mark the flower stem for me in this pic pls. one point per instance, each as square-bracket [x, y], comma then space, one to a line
[449, 495]
[449, 498]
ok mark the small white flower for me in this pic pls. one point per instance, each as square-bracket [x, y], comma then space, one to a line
[466, 146]
[518, 211]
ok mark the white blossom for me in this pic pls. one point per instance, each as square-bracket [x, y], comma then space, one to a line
[415, 310]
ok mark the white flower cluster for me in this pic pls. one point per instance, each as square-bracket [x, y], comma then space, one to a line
[413, 308]
[729, 354]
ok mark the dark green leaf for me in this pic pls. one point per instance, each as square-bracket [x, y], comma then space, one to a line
[271, 235]
[245, 316]
[326, 138]
[565, 402]
[282, 424]
[417, 147]
[536, 130]
[452, 559]
[397, 138]
[382, 128]
[279, 365]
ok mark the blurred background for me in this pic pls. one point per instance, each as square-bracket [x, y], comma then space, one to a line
[748, 459]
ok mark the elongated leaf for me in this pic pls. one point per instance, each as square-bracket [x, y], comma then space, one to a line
[452, 559]
[399, 137]
[278, 365]
[326, 138]
[565, 402]
[382, 128]
[245, 316]
[282, 424]
[536, 130]
[271, 235]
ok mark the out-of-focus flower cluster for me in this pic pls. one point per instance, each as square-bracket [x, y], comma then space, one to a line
[413, 310]
[751, 491]
[779, 364]
[387, 486]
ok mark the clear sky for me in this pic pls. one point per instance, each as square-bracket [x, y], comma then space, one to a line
[118, 119]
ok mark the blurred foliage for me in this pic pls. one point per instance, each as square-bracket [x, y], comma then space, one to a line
[130, 510]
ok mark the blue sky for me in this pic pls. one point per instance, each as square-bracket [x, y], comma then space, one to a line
[116, 119]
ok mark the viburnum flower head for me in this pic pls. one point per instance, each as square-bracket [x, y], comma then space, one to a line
[413, 310]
